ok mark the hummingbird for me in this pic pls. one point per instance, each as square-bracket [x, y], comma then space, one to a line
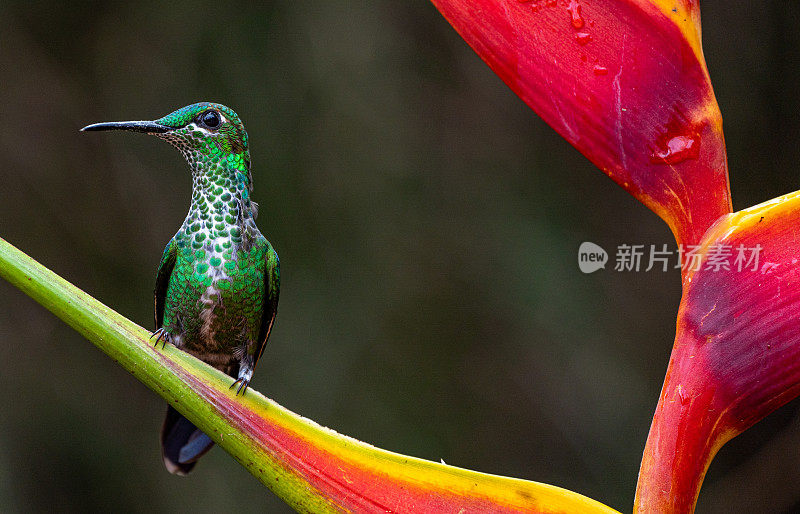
[216, 292]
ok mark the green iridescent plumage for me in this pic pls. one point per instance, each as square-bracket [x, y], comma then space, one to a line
[217, 285]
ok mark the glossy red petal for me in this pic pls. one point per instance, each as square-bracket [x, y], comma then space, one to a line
[737, 351]
[625, 82]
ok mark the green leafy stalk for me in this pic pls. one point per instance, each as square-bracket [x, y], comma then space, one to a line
[312, 468]
[130, 345]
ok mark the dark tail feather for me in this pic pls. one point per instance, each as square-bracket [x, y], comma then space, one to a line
[182, 443]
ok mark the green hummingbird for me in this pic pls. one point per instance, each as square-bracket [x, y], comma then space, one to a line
[217, 285]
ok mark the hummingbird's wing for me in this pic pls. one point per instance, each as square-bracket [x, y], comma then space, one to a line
[272, 286]
[162, 280]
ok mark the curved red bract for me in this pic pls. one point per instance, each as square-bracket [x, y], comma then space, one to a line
[351, 476]
[736, 356]
[625, 82]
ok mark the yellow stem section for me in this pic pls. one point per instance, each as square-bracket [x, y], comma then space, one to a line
[259, 433]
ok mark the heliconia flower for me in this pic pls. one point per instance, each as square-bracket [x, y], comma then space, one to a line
[625, 82]
[736, 356]
[312, 468]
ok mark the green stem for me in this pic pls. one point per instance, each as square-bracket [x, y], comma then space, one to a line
[130, 345]
[312, 468]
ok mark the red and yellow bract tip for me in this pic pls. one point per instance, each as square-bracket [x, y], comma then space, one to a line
[736, 356]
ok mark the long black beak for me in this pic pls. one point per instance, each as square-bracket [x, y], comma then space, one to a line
[149, 127]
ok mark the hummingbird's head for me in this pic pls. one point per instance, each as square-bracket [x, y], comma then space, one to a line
[205, 132]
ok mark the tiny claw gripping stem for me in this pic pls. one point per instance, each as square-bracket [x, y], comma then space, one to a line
[243, 383]
[162, 335]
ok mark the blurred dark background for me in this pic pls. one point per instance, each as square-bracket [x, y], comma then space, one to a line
[427, 223]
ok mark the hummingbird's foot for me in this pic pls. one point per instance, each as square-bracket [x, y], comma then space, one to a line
[162, 336]
[245, 374]
[243, 383]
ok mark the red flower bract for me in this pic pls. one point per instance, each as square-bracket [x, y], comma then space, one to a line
[625, 82]
[736, 356]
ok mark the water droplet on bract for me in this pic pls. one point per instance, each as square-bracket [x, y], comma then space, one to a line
[583, 38]
[600, 70]
[574, 9]
[678, 149]
[769, 267]
[533, 3]
[682, 396]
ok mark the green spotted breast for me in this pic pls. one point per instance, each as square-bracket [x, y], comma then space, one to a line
[217, 285]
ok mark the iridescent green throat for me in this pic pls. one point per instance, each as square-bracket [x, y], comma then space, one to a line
[221, 180]
[221, 202]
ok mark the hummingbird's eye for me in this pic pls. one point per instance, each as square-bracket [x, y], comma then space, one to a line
[210, 119]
